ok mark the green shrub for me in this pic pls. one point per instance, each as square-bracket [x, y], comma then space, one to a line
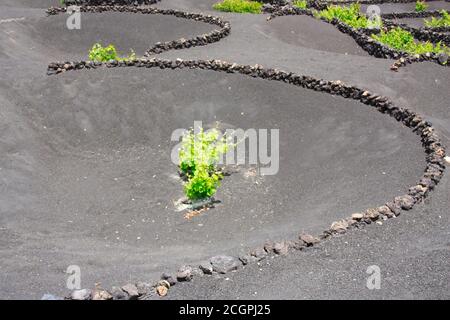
[302, 4]
[104, 54]
[239, 6]
[202, 184]
[443, 21]
[421, 6]
[350, 15]
[199, 156]
[403, 40]
[201, 149]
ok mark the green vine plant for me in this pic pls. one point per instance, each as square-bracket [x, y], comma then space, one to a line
[98, 53]
[239, 6]
[421, 6]
[199, 157]
[350, 15]
[443, 21]
[301, 4]
[403, 40]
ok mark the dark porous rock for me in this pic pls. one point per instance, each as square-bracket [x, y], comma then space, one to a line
[108, 2]
[184, 273]
[100, 294]
[166, 276]
[206, 267]
[309, 240]
[51, 72]
[259, 253]
[196, 271]
[350, 221]
[443, 58]
[118, 294]
[418, 191]
[161, 290]
[367, 220]
[357, 216]
[405, 202]
[372, 214]
[427, 182]
[143, 288]
[395, 208]
[269, 246]
[394, 67]
[325, 234]
[164, 283]
[297, 245]
[82, 294]
[385, 211]
[268, 8]
[339, 226]
[224, 264]
[131, 290]
[281, 248]
[246, 259]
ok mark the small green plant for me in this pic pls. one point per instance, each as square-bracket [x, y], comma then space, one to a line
[104, 54]
[403, 40]
[239, 6]
[302, 4]
[421, 6]
[443, 21]
[202, 184]
[350, 15]
[201, 149]
[199, 156]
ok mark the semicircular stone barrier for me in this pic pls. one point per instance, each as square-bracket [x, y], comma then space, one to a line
[89, 179]
[49, 36]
